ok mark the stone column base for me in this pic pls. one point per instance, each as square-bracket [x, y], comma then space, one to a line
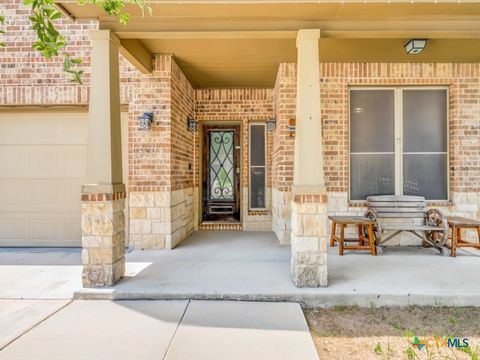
[309, 241]
[103, 237]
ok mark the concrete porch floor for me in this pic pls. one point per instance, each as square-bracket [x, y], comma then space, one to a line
[253, 266]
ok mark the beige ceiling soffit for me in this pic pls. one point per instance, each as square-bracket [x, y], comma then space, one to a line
[206, 34]
[135, 52]
[338, 34]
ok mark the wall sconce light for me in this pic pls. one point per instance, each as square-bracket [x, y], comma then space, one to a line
[415, 46]
[146, 120]
[271, 124]
[292, 126]
[192, 124]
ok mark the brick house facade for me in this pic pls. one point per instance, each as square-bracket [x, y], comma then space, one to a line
[165, 162]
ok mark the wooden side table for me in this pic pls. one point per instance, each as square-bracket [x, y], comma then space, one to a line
[456, 224]
[361, 222]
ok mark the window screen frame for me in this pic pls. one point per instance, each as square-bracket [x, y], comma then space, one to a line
[256, 123]
[398, 135]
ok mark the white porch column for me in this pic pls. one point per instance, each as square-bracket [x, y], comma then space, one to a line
[103, 197]
[309, 218]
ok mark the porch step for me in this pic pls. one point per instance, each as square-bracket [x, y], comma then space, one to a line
[221, 226]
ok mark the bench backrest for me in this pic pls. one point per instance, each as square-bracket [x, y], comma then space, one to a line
[393, 206]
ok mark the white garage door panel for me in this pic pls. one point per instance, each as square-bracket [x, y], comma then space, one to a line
[35, 230]
[43, 128]
[42, 169]
[18, 195]
[42, 161]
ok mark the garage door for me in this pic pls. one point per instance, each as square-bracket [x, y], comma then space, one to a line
[42, 169]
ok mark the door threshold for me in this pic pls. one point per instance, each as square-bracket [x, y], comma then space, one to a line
[221, 225]
[221, 222]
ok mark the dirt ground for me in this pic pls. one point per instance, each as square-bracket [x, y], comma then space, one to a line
[387, 332]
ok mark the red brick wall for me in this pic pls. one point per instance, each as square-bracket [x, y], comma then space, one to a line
[283, 143]
[242, 105]
[464, 84]
[150, 150]
[159, 158]
[182, 105]
[26, 77]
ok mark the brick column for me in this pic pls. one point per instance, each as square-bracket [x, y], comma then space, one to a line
[309, 222]
[103, 197]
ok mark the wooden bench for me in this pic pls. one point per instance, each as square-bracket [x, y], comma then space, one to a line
[432, 228]
[456, 224]
[365, 239]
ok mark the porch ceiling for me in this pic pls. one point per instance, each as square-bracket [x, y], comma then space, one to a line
[234, 44]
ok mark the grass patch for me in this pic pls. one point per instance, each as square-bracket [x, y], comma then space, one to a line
[352, 333]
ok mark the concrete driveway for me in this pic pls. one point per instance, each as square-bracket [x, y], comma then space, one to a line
[169, 330]
[39, 320]
[34, 284]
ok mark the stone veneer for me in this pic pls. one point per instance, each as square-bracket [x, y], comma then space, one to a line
[282, 215]
[282, 149]
[160, 219]
[103, 237]
[309, 241]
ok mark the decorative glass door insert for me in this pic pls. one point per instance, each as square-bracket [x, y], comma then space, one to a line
[221, 185]
[221, 166]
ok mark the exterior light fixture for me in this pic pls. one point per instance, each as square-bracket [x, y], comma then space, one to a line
[192, 124]
[415, 46]
[292, 127]
[271, 124]
[146, 120]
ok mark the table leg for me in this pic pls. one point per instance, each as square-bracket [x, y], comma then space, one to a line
[341, 239]
[332, 234]
[360, 235]
[453, 251]
[478, 233]
[371, 240]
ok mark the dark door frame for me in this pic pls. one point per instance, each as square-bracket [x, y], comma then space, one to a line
[203, 178]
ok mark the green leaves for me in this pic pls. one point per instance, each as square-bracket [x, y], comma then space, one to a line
[116, 7]
[68, 64]
[49, 40]
[2, 20]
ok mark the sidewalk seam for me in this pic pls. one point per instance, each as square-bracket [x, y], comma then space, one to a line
[36, 324]
[176, 330]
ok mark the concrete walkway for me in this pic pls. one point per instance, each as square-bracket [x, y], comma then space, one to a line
[169, 330]
[249, 266]
[253, 266]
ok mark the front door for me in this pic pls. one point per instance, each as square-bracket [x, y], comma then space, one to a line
[221, 183]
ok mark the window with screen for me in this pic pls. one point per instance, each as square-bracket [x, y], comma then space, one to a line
[399, 142]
